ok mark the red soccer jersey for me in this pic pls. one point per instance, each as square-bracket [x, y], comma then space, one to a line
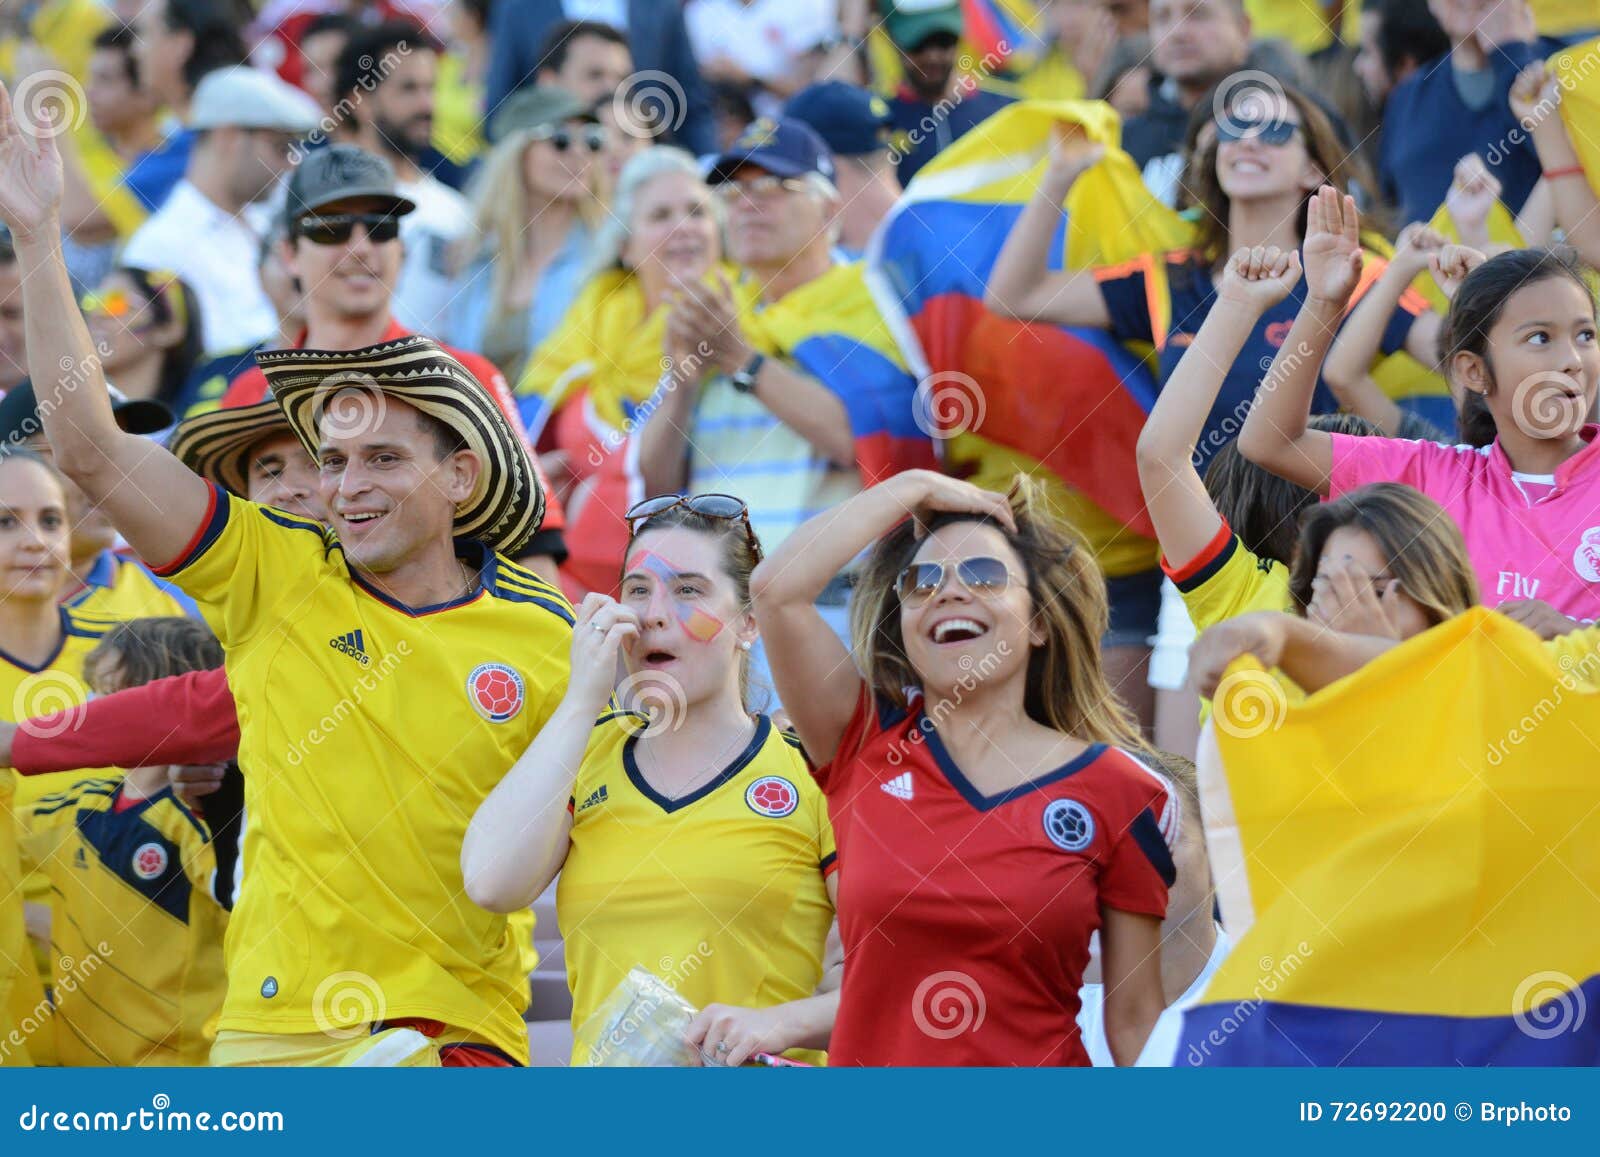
[250, 387]
[966, 918]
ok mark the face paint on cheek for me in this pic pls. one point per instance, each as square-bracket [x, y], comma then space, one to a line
[697, 624]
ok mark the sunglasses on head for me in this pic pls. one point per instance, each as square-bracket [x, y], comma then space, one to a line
[720, 507]
[920, 581]
[593, 137]
[337, 228]
[1273, 132]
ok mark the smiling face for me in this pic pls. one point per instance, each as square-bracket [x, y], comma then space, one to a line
[676, 580]
[1258, 167]
[554, 173]
[34, 539]
[352, 281]
[672, 233]
[957, 630]
[1543, 361]
[771, 226]
[124, 326]
[280, 473]
[391, 495]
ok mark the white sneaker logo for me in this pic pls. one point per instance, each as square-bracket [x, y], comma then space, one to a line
[899, 786]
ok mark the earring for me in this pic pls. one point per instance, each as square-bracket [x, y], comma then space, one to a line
[744, 644]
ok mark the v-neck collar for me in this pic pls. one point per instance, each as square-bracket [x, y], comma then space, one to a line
[470, 551]
[61, 643]
[969, 791]
[630, 764]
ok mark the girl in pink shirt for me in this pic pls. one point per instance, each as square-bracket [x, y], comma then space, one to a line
[1520, 342]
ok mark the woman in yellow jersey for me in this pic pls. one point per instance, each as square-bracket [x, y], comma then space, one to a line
[582, 390]
[42, 648]
[1227, 541]
[694, 841]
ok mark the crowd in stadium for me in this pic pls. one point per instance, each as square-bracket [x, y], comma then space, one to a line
[828, 456]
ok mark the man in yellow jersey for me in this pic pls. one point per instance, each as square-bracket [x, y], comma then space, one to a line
[388, 668]
[106, 583]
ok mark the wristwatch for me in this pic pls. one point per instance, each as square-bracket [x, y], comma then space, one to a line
[744, 378]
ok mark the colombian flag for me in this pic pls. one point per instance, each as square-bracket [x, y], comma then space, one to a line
[1070, 401]
[1003, 31]
[831, 329]
[1580, 102]
[1411, 869]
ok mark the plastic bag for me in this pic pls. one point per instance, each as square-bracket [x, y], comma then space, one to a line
[640, 1025]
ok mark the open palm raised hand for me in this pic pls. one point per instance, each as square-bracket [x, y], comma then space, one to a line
[1332, 248]
[30, 170]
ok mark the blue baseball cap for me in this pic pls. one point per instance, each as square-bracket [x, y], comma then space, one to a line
[850, 119]
[783, 147]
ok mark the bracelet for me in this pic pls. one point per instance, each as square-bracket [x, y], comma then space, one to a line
[1569, 171]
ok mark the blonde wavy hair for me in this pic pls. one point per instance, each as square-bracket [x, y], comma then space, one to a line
[1066, 684]
[502, 209]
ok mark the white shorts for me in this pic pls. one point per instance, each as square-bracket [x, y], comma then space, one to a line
[1175, 633]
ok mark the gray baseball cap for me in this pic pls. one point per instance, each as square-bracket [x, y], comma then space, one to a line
[535, 107]
[341, 173]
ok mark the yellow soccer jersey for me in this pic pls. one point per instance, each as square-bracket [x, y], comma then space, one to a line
[369, 734]
[720, 893]
[120, 588]
[1227, 579]
[27, 691]
[136, 930]
[14, 956]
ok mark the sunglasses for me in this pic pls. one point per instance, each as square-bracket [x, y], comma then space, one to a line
[920, 581]
[1273, 132]
[337, 228]
[759, 188]
[562, 138]
[115, 303]
[719, 507]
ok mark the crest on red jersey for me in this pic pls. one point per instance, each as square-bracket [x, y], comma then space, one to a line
[496, 691]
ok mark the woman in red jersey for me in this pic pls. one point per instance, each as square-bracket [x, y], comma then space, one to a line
[979, 777]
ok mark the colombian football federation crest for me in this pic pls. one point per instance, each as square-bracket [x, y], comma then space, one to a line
[772, 796]
[496, 691]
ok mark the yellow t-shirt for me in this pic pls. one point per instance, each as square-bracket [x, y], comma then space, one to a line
[1228, 579]
[15, 960]
[369, 734]
[136, 932]
[720, 893]
[1305, 24]
[457, 112]
[131, 593]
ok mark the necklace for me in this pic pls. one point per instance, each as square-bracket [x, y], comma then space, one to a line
[718, 762]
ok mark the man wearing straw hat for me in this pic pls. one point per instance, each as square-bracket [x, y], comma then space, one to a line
[353, 941]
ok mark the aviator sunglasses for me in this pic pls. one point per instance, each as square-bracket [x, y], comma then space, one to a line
[720, 507]
[920, 581]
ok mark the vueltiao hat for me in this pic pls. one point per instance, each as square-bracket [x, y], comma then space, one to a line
[506, 507]
[214, 444]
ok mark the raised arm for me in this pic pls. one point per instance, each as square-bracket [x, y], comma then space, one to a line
[152, 498]
[815, 676]
[1534, 100]
[518, 837]
[1185, 518]
[1021, 284]
[1359, 343]
[1275, 435]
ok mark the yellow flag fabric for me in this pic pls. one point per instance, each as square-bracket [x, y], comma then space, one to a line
[1421, 851]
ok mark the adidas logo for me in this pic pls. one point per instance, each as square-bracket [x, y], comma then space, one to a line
[595, 797]
[899, 786]
[80, 860]
[351, 645]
